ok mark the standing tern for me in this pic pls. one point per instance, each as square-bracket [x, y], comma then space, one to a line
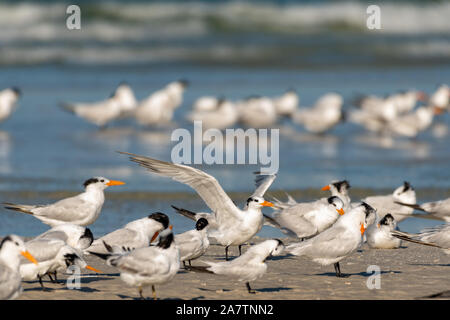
[53, 255]
[438, 209]
[135, 234]
[286, 104]
[228, 224]
[159, 107]
[8, 102]
[74, 235]
[103, 112]
[306, 219]
[147, 266]
[379, 234]
[337, 242]
[248, 267]
[438, 236]
[323, 116]
[224, 115]
[82, 209]
[11, 247]
[389, 203]
[193, 243]
[257, 112]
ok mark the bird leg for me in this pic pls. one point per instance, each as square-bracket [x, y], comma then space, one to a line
[250, 290]
[140, 293]
[190, 265]
[154, 292]
[226, 253]
[240, 252]
[184, 265]
[337, 268]
[42, 285]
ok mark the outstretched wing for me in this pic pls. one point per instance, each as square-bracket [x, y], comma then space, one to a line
[262, 183]
[206, 186]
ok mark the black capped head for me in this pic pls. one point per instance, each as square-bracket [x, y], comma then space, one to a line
[368, 209]
[161, 218]
[387, 220]
[70, 258]
[90, 181]
[5, 240]
[201, 224]
[88, 236]
[165, 239]
[407, 186]
[342, 186]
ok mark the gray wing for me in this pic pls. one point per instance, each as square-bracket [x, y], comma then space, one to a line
[145, 261]
[206, 186]
[262, 183]
[122, 238]
[53, 234]
[69, 209]
[43, 249]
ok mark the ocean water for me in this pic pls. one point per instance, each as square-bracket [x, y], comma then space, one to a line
[234, 49]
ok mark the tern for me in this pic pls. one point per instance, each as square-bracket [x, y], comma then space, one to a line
[159, 107]
[147, 266]
[340, 189]
[388, 203]
[305, 220]
[249, 266]
[337, 242]
[8, 102]
[193, 244]
[53, 255]
[438, 236]
[135, 234]
[437, 209]
[103, 112]
[11, 249]
[81, 210]
[228, 224]
[379, 234]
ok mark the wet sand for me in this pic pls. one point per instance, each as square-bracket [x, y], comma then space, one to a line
[410, 272]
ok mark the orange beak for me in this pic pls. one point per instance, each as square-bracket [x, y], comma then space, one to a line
[341, 211]
[28, 255]
[154, 236]
[438, 111]
[362, 229]
[115, 183]
[326, 188]
[93, 269]
[267, 204]
[378, 225]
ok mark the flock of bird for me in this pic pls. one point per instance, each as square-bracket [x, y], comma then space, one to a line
[147, 253]
[400, 114]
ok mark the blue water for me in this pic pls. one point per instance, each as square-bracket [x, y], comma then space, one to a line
[46, 154]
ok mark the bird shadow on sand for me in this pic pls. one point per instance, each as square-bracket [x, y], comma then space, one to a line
[121, 296]
[278, 289]
[47, 289]
[439, 295]
[348, 275]
[430, 264]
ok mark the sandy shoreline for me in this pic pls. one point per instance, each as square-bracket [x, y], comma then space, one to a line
[411, 272]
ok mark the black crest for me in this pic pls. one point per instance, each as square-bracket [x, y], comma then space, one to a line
[387, 219]
[201, 224]
[407, 186]
[89, 181]
[5, 239]
[161, 218]
[70, 258]
[368, 209]
[331, 199]
[342, 185]
[88, 235]
[165, 240]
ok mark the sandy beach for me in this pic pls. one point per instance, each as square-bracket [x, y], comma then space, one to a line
[410, 272]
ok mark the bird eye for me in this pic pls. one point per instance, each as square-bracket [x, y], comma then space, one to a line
[102, 180]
